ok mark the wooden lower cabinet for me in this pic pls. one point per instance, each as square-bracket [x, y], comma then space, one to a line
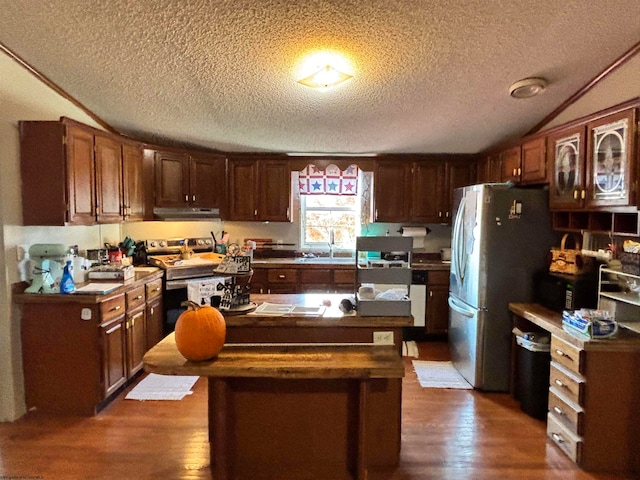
[79, 350]
[437, 321]
[302, 279]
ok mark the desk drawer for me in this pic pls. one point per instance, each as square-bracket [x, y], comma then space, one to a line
[570, 415]
[568, 442]
[568, 383]
[567, 355]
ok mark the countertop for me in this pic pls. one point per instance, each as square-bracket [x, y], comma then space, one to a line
[551, 321]
[280, 361]
[324, 262]
[331, 317]
[142, 276]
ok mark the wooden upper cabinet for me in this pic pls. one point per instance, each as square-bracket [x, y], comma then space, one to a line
[566, 160]
[534, 164]
[612, 171]
[172, 179]
[133, 182]
[207, 181]
[427, 185]
[108, 165]
[185, 179]
[459, 173]
[259, 190]
[489, 169]
[81, 177]
[391, 187]
[511, 166]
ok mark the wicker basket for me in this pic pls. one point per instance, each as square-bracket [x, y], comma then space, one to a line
[569, 261]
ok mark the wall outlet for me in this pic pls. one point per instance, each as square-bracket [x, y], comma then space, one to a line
[383, 338]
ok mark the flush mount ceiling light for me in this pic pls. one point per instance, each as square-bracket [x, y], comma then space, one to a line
[528, 87]
[326, 77]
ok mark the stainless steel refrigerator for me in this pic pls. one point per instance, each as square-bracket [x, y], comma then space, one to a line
[501, 236]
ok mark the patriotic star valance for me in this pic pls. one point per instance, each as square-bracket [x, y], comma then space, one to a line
[331, 181]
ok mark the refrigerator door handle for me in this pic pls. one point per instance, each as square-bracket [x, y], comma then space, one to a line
[460, 308]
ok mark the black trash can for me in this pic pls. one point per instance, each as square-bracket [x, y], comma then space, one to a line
[532, 387]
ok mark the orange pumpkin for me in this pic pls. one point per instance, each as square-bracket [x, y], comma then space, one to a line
[200, 332]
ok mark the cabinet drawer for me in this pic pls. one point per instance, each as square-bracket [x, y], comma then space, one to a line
[437, 277]
[282, 275]
[112, 308]
[567, 383]
[569, 443]
[567, 355]
[316, 276]
[135, 297]
[153, 288]
[571, 415]
[344, 277]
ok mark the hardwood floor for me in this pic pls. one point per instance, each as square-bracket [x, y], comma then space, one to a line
[446, 434]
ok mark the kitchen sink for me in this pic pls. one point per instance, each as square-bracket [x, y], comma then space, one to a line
[328, 260]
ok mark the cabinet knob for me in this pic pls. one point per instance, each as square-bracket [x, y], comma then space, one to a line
[193, 198]
[583, 194]
[560, 384]
[519, 171]
[575, 194]
[138, 297]
[255, 212]
[186, 198]
[116, 308]
[558, 410]
[281, 277]
[557, 438]
[562, 354]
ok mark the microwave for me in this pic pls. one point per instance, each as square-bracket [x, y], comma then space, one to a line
[560, 292]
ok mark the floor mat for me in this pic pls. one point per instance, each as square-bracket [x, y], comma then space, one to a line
[162, 387]
[439, 375]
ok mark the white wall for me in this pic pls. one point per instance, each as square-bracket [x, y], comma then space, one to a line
[23, 97]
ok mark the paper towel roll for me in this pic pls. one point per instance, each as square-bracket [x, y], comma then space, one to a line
[417, 233]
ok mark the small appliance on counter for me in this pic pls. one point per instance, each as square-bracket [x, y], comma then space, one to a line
[558, 292]
[47, 260]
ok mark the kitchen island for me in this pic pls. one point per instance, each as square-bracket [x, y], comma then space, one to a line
[313, 406]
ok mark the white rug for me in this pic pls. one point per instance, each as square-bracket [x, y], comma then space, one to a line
[410, 349]
[162, 387]
[439, 375]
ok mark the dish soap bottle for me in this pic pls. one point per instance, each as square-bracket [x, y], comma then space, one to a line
[67, 284]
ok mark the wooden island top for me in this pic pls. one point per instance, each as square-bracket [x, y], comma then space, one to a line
[279, 361]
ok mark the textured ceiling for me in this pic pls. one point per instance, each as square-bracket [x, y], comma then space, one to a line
[429, 76]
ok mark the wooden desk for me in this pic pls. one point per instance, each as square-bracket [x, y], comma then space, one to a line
[304, 411]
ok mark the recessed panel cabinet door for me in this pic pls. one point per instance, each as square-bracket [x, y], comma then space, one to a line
[109, 198]
[207, 181]
[427, 182]
[80, 177]
[391, 190]
[275, 191]
[113, 355]
[172, 179]
[243, 191]
[133, 193]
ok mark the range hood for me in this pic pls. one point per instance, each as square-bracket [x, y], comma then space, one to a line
[186, 213]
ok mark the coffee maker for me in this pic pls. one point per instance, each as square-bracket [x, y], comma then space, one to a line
[47, 264]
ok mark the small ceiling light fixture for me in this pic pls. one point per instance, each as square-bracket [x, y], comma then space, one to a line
[326, 77]
[528, 87]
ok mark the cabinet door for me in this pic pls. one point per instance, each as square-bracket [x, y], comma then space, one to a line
[275, 191]
[136, 340]
[437, 309]
[114, 369]
[489, 169]
[80, 177]
[566, 160]
[243, 190]
[511, 166]
[459, 173]
[154, 324]
[172, 179]
[259, 282]
[391, 184]
[207, 181]
[534, 165]
[427, 182]
[109, 197]
[611, 160]
[133, 183]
